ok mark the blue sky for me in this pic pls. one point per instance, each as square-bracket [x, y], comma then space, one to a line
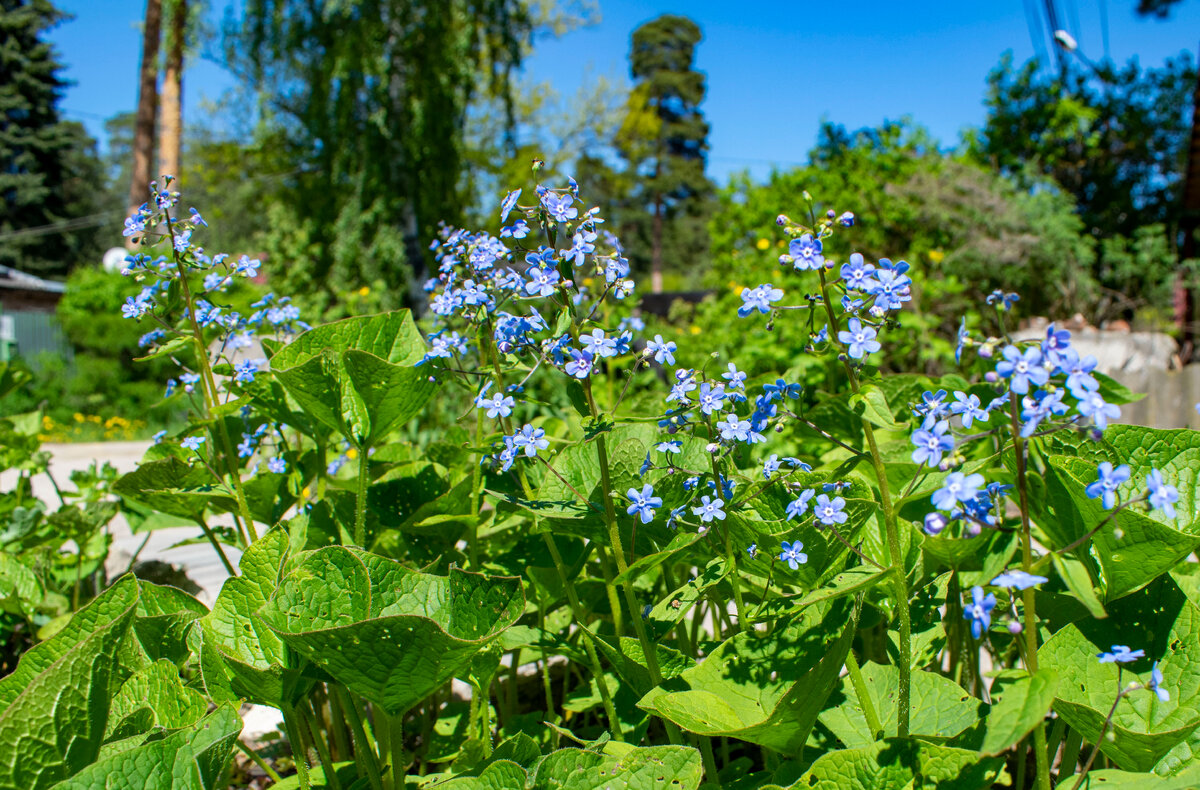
[775, 69]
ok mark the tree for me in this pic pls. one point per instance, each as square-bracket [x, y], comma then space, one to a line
[50, 180]
[664, 140]
[369, 99]
[147, 107]
[170, 149]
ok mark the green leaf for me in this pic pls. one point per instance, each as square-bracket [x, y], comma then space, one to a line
[388, 633]
[392, 337]
[629, 660]
[240, 657]
[316, 387]
[190, 759]
[762, 688]
[498, 775]
[55, 724]
[114, 604]
[164, 620]
[391, 394]
[870, 404]
[619, 767]
[1022, 705]
[1160, 620]
[1134, 547]
[1114, 391]
[173, 487]
[1112, 779]
[895, 763]
[1078, 579]
[940, 707]
[157, 691]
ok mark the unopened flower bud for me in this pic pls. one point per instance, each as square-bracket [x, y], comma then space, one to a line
[1014, 627]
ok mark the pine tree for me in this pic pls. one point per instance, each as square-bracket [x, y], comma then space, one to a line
[664, 140]
[45, 162]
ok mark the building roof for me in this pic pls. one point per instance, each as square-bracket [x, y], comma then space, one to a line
[13, 279]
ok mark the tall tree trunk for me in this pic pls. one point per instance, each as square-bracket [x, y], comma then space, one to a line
[147, 109]
[656, 275]
[170, 147]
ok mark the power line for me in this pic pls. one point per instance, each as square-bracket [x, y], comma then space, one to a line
[62, 226]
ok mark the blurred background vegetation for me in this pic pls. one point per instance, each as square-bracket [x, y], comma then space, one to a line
[358, 127]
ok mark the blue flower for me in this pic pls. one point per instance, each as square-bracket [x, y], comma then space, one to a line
[1023, 369]
[643, 503]
[846, 220]
[1121, 654]
[499, 405]
[507, 204]
[247, 266]
[560, 207]
[791, 554]
[710, 509]
[277, 465]
[1080, 380]
[159, 436]
[735, 377]
[830, 511]
[932, 443]
[979, 612]
[856, 273]
[890, 286]
[859, 339]
[542, 282]
[711, 398]
[734, 429]
[663, 351]
[799, 506]
[1163, 496]
[530, 440]
[770, 467]
[1093, 405]
[752, 549]
[245, 371]
[805, 253]
[963, 337]
[581, 364]
[1155, 683]
[934, 523]
[672, 447]
[192, 443]
[1003, 299]
[969, 407]
[1018, 579]
[956, 488]
[646, 466]
[1105, 487]
[598, 345]
[759, 299]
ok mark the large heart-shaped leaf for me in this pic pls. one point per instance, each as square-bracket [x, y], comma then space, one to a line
[164, 619]
[1160, 620]
[155, 696]
[388, 633]
[358, 376]
[1021, 705]
[240, 658]
[170, 486]
[189, 759]
[762, 688]
[940, 707]
[896, 763]
[619, 767]
[1135, 547]
[54, 707]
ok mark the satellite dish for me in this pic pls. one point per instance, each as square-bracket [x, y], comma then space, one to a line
[114, 259]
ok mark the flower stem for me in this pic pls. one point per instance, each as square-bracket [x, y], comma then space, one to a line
[864, 697]
[360, 504]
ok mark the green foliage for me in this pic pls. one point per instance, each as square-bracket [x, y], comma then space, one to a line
[48, 167]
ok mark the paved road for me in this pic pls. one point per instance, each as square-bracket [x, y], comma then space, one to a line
[199, 560]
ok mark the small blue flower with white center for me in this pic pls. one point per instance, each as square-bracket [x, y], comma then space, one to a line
[979, 611]
[963, 337]
[277, 465]
[734, 429]
[935, 523]
[1093, 405]
[806, 253]
[1080, 380]
[710, 509]
[247, 266]
[856, 273]
[1108, 480]
[643, 503]
[735, 377]
[799, 506]
[932, 443]
[957, 487]
[674, 516]
[245, 371]
[860, 340]
[711, 398]
[159, 436]
[968, 406]
[1120, 654]
[752, 549]
[542, 282]
[530, 440]
[759, 298]
[560, 207]
[1018, 580]
[1163, 496]
[663, 350]
[770, 466]
[498, 405]
[192, 443]
[598, 344]
[830, 511]
[791, 554]
[670, 448]
[1023, 368]
[580, 364]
